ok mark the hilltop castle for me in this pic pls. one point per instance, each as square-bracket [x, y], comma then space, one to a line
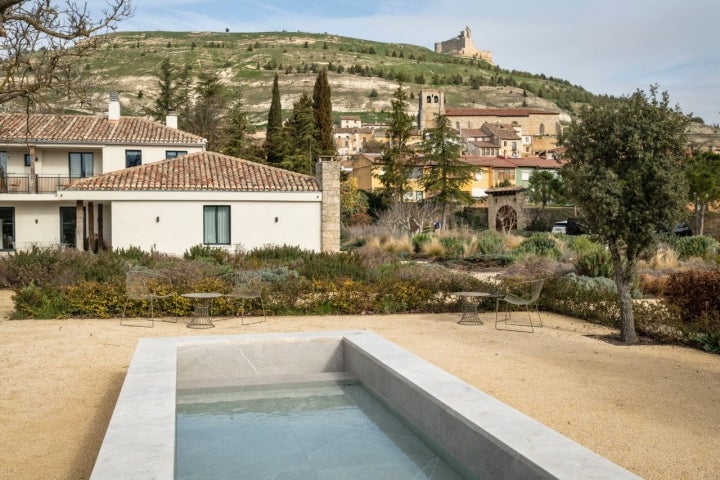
[463, 46]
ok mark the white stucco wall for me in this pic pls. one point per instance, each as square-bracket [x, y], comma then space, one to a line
[114, 156]
[44, 233]
[175, 226]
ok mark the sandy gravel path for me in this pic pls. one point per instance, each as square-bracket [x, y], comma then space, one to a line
[655, 410]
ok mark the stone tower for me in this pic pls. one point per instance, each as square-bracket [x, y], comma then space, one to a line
[431, 104]
[463, 46]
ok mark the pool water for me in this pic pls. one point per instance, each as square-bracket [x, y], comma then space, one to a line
[301, 431]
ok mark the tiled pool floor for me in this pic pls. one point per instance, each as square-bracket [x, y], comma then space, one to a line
[326, 431]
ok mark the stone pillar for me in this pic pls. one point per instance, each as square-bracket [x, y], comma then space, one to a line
[328, 174]
[79, 223]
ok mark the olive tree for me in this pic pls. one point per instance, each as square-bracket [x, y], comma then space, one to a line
[43, 41]
[624, 171]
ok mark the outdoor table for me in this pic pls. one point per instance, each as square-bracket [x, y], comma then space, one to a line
[470, 301]
[202, 314]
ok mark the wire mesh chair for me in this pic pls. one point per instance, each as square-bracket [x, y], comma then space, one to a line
[247, 286]
[144, 286]
[530, 302]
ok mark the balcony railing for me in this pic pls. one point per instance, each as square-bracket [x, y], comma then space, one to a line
[43, 183]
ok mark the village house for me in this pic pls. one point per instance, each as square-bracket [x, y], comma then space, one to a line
[89, 181]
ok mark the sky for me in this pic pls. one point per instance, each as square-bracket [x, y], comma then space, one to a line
[612, 47]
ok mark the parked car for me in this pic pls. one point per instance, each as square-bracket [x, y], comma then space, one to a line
[570, 227]
[681, 229]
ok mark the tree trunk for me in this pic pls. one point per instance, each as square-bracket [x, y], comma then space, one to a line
[624, 276]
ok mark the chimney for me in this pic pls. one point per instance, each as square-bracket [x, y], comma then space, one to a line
[171, 119]
[327, 171]
[114, 107]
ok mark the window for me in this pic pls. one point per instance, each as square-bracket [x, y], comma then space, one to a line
[68, 222]
[216, 225]
[525, 175]
[174, 153]
[542, 129]
[81, 164]
[133, 158]
[7, 227]
[28, 159]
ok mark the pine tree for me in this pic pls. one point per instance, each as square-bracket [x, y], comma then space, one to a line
[274, 127]
[447, 174]
[322, 109]
[206, 114]
[167, 99]
[397, 158]
[300, 135]
[236, 134]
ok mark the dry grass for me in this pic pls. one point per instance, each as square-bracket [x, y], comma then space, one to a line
[665, 258]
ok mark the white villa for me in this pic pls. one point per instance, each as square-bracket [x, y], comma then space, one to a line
[110, 181]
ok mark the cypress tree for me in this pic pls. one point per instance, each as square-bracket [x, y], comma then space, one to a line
[322, 109]
[274, 126]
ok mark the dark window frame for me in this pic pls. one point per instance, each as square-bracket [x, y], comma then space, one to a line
[174, 153]
[212, 212]
[133, 158]
[86, 159]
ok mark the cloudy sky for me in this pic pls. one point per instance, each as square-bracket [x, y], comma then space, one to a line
[608, 47]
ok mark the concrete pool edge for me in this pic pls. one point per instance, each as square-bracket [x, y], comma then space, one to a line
[139, 442]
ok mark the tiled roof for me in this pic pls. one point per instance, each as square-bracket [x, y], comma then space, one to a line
[472, 132]
[536, 162]
[483, 161]
[501, 131]
[485, 144]
[208, 171]
[78, 129]
[495, 112]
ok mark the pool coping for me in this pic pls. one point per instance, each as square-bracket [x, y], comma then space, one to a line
[464, 421]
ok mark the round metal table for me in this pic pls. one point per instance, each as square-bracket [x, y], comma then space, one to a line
[470, 301]
[202, 313]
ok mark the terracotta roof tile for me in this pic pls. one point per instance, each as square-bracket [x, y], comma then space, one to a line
[201, 171]
[48, 128]
[537, 162]
[483, 161]
[495, 112]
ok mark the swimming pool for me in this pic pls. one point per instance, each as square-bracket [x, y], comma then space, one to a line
[488, 438]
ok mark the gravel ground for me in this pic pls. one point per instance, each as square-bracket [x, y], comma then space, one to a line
[653, 409]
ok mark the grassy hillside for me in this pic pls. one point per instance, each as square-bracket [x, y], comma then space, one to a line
[129, 62]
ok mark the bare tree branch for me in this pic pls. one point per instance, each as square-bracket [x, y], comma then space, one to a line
[42, 41]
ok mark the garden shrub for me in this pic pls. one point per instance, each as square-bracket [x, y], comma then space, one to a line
[594, 263]
[696, 293]
[490, 242]
[592, 299]
[696, 246]
[653, 285]
[327, 265]
[419, 240]
[542, 244]
[453, 246]
[33, 301]
[207, 253]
